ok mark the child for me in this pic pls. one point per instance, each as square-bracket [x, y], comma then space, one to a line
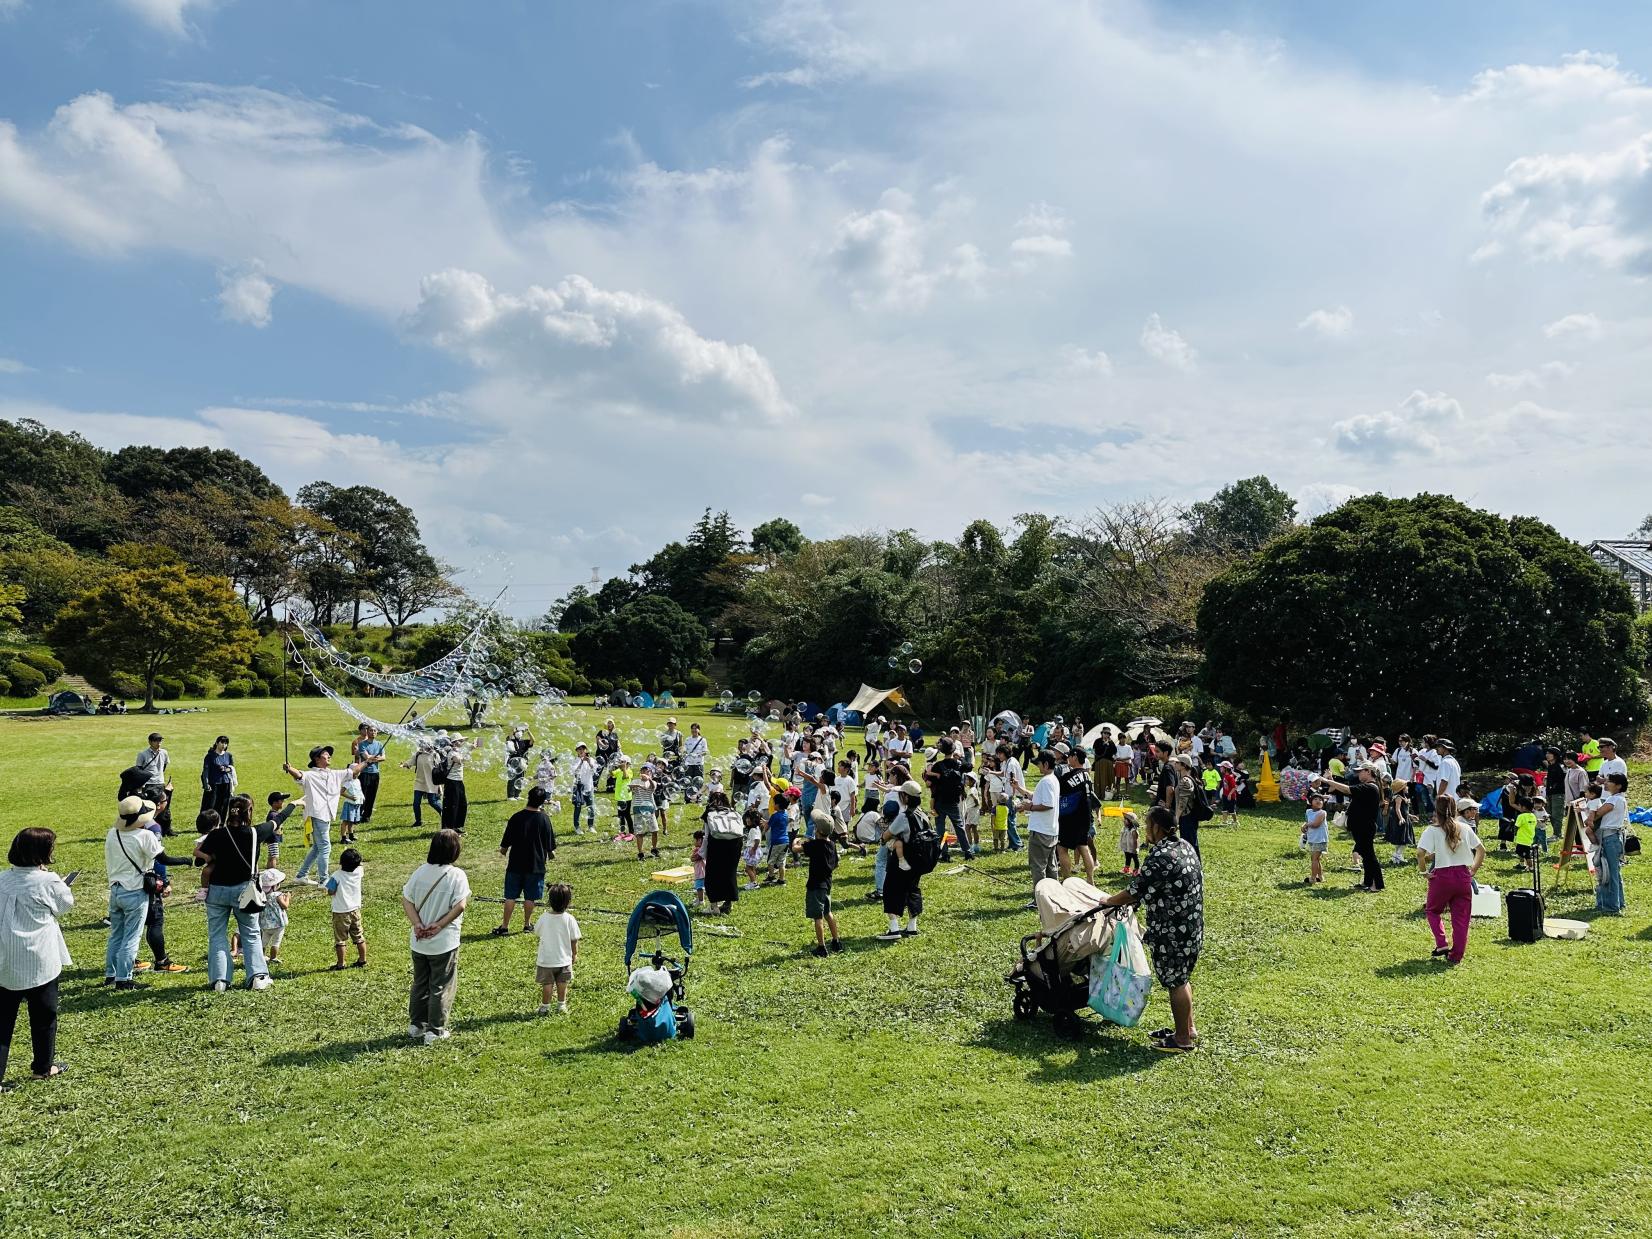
[972, 811]
[714, 782]
[344, 884]
[1541, 809]
[643, 825]
[622, 802]
[780, 842]
[270, 832]
[1525, 832]
[1316, 837]
[273, 919]
[698, 856]
[351, 797]
[206, 822]
[817, 891]
[1130, 843]
[1229, 792]
[868, 830]
[544, 774]
[558, 948]
[1398, 829]
[752, 855]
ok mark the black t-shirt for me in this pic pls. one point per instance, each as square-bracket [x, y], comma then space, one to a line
[822, 854]
[947, 782]
[1363, 802]
[528, 840]
[1166, 782]
[1075, 794]
[1106, 751]
[233, 850]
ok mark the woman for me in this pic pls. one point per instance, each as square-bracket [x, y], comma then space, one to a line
[422, 763]
[1364, 807]
[722, 853]
[217, 777]
[1450, 853]
[1606, 826]
[231, 848]
[130, 852]
[455, 808]
[1554, 789]
[901, 896]
[1170, 889]
[434, 900]
[368, 752]
[33, 953]
[1185, 800]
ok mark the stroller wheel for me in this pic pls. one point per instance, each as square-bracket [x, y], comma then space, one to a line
[1025, 1007]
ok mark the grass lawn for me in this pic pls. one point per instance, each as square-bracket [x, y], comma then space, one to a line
[1346, 1086]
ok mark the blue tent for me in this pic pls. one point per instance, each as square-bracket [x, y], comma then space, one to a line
[1041, 733]
[660, 912]
[643, 701]
[665, 701]
[808, 710]
[841, 716]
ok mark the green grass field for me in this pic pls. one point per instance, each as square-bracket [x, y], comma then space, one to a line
[1345, 1085]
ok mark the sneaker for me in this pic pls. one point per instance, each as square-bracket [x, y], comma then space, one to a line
[308, 882]
[891, 935]
[819, 952]
[835, 946]
[433, 1035]
[335, 967]
[562, 1008]
[875, 896]
[169, 966]
[218, 987]
[142, 966]
[415, 1031]
[751, 886]
[126, 985]
[910, 933]
[543, 1008]
[499, 931]
[904, 866]
[360, 963]
[262, 981]
[1439, 952]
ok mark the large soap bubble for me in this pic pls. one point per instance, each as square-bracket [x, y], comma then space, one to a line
[894, 662]
[726, 695]
[754, 696]
[906, 647]
[915, 666]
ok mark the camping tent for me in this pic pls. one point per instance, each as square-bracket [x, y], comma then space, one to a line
[665, 701]
[643, 701]
[869, 699]
[840, 715]
[69, 702]
[619, 697]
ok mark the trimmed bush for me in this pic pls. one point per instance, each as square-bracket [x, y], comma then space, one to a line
[42, 662]
[168, 688]
[603, 687]
[26, 681]
[697, 684]
[257, 688]
[235, 689]
[5, 687]
[579, 685]
[197, 686]
[633, 685]
[679, 689]
[123, 685]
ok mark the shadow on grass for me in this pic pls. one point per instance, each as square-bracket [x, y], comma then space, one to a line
[1321, 891]
[1414, 968]
[93, 997]
[1098, 1051]
[348, 1051]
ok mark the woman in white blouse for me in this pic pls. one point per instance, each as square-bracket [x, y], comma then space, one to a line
[434, 900]
[32, 951]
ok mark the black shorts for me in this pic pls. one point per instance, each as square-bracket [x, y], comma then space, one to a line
[1073, 833]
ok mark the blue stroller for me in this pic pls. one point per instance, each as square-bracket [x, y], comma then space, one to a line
[659, 1013]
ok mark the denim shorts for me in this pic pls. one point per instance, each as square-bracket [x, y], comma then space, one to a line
[524, 885]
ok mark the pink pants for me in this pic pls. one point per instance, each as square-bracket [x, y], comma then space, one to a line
[1450, 888]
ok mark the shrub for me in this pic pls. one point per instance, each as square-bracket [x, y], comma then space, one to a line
[633, 685]
[197, 686]
[235, 689]
[123, 685]
[5, 687]
[579, 686]
[679, 689]
[604, 687]
[1171, 708]
[257, 688]
[26, 681]
[42, 662]
[167, 688]
[696, 684]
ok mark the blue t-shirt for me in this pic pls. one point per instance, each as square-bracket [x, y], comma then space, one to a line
[370, 748]
[780, 829]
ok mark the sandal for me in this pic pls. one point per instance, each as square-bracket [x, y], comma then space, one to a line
[56, 1069]
[335, 967]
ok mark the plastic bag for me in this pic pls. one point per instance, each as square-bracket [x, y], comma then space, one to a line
[1119, 988]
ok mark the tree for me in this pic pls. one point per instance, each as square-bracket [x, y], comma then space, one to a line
[49, 571]
[573, 611]
[142, 472]
[408, 584]
[12, 598]
[1242, 517]
[37, 455]
[653, 639]
[1423, 613]
[155, 620]
[1644, 529]
[383, 551]
[776, 539]
[704, 574]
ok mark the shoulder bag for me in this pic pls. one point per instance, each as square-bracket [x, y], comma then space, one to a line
[151, 880]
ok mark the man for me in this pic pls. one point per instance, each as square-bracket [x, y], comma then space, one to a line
[696, 753]
[369, 749]
[945, 777]
[1449, 773]
[1429, 757]
[1164, 787]
[154, 761]
[528, 843]
[1588, 752]
[1364, 804]
[322, 786]
[899, 746]
[1042, 830]
[1610, 762]
[1075, 820]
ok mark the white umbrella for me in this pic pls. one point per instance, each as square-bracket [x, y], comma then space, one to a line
[1146, 720]
[1094, 734]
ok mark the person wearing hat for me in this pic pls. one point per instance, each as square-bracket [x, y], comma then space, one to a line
[422, 762]
[1449, 851]
[1043, 832]
[945, 777]
[607, 751]
[902, 896]
[455, 804]
[1364, 808]
[321, 788]
[696, 753]
[131, 850]
[583, 781]
[1610, 762]
[1447, 773]
[622, 777]
[517, 747]
[1075, 820]
[1184, 804]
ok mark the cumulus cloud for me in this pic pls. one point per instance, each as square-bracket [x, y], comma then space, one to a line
[619, 349]
[883, 255]
[1585, 204]
[1078, 360]
[1531, 379]
[1418, 424]
[1042, 233]
[245, 296]
[1575, 327]
[171, 16]
[1583, 76]
[1166, 345]
[1332, 324]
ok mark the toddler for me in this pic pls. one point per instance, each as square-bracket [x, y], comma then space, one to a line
[698, 856]
[344, 885]
[643, 824]
[972, 811]
[558, 934]
[269, 833]
[1525, 832]
[1130, 843]
[1316, 837]
[273, 919]
[350, 801]
[753, 853]
[544, 775]
[1229, 790]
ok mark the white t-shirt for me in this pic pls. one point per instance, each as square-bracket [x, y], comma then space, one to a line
[434, 889]
[126, 869]
[1013, 777]
[1450, 773]
[1046, 796]
[1616, 816]
[899, 746]
[1433, 841]
[1402, 765]
[322, 789]
[845, 785]
[1198, 746]
[696, 751]
[347, 893]
[585, 774]
[557, 931]
[873, 731]
[1612, 765]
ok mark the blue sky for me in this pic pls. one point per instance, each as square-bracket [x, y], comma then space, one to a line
[560, 275]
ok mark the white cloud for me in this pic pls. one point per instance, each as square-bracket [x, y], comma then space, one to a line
[1167, 345]
[1531, 380]
[1579, 77]
[1042, 234]
[1078, 360]
[1583, 204]
[1332, 324]
[1318, 498]
[1575, 327]
[1416, 425]
[10, 365]
[245, 296]
[618, 350]
[168, 15]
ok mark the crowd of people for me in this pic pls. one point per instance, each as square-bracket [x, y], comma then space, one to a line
[801, 800]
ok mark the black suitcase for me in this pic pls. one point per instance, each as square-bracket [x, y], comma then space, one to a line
[1526, 908]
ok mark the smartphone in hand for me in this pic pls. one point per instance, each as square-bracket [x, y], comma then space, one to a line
[69, 878]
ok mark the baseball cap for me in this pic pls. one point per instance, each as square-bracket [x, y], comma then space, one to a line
[1078, 750]
[912, 788]
[1468, 804]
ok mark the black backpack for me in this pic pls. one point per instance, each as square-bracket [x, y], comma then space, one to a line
[923, 845]
[1202, 812]
[438, 770]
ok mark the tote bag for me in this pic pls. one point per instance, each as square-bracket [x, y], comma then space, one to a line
[1119, 988]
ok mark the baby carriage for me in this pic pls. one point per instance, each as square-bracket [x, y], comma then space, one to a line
[659, 1013]
[1055, 975]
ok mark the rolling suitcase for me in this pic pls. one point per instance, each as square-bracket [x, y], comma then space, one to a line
[1526, 910]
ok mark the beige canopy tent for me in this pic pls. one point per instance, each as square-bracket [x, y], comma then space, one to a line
[869, 699]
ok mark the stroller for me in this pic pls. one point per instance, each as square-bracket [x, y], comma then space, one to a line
[1055, 975]
[659, 1013]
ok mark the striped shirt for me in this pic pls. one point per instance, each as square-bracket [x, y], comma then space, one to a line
[32, 949]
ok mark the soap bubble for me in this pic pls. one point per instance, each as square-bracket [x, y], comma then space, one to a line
[726, 695]
[894, 662]
[754, 696]
[906, 647]
[915, 666]
[774, 716]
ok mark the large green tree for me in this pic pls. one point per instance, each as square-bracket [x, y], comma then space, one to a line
[1423, 613]
[1243, 516]
[151, 619]
[703, 574]
[141, 471]
[379, 560]
[652, 639]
